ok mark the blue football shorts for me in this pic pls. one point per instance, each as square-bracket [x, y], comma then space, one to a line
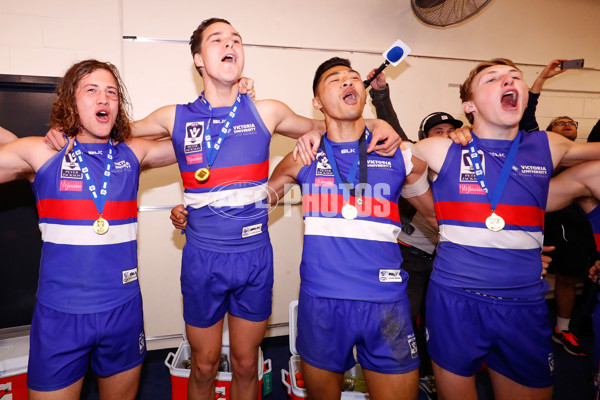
[214, 283]
[511, 336]
[328, 329]
[63, 345]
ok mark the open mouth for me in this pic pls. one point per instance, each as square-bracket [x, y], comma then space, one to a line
[102, 116]
[350, 97]
[509, 100]
[229, 58]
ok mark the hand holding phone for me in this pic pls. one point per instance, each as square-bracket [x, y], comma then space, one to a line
[571, 64]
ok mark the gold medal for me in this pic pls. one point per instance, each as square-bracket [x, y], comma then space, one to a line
[202, 175]
[100, 226]
[494, 222]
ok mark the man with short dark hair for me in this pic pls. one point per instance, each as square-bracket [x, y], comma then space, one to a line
[438, 124]
[353, 287]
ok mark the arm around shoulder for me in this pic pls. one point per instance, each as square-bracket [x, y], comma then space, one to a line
[417, 192]
[20, 159]
[434, 151]
[284, 175]
[280, 118]
[567, 153]
[6, 136]
[159, 124]
[573, 184]
[153, 154]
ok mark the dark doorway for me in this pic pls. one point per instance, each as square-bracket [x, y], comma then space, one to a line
[25, 103]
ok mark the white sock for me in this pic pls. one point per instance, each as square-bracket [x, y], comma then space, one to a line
[562, 324]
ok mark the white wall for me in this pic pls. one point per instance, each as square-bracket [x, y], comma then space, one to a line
[285, 42]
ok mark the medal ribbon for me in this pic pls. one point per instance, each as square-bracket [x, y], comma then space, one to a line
[99, 197]
[494, 197]
[349, 181]
[212, 151]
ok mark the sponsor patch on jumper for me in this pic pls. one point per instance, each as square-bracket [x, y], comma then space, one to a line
[412, 343]
[380, 164]
[129, 276]
[244, 129]
[70, 186]
[122, 165]
[390, 275]
[194, 158]
[470, 188]
[194, 132]
[69, 168]
[321, 181]
[532, 170]
[251, 230]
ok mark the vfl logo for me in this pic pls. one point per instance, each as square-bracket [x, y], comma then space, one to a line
[193, 137]
[69, 168]
[323, 166]
[467, 172]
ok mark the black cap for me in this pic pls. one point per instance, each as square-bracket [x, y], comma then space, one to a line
[435, 119]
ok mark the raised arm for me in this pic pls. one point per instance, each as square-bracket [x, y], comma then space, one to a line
[433, 151]
[20, 159]
[416, 188]
[529, 122]
[6, 136]
[153, 154]
[576, 182]
[380, 94]
[281, 119]
[283, 177]
[567, 153]
[159, 124]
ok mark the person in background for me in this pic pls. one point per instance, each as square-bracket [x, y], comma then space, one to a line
[569, 230]
[580, 185]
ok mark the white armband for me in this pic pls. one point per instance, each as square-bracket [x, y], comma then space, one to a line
[407, 156]
[416, 188]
